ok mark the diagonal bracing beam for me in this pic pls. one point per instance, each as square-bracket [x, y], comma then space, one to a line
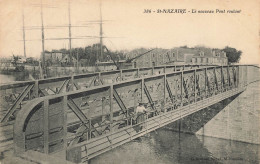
[44, 92]
[149, 96]
[223, 79]
[83, 118]
[208, 82]
[169, 90]
[76, 85]
[234, 76]
[92, 81]
[64, 84]
[18, 100]
[216, 80]
[120, 102]
[185, 88]
[197, 78]
[101, 81]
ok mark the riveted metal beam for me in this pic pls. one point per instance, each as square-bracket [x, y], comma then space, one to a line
[18, 100]
[120, 102]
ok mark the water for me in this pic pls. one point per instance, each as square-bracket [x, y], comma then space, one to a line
[13, 76]
[167, 147]
[6, 78]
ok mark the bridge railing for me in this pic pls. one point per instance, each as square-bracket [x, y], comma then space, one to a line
[59, 122]
[14, 96]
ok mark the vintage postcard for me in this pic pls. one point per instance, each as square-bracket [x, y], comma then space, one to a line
[129, 81]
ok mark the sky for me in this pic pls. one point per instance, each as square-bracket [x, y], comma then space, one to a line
[127, 27]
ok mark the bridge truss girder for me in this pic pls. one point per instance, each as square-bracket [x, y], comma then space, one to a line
[11, 93]
[85, 118]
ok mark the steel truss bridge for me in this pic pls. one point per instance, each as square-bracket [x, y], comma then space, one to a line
[14, 96]
[86, 115]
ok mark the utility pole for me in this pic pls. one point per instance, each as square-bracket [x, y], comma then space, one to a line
[24, 49]
[69, 32]
[43, 49]
[101, 35]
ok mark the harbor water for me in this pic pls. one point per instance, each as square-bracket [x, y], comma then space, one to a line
[13, 76]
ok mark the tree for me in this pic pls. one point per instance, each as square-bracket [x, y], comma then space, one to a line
[233, 55]
[185, 46]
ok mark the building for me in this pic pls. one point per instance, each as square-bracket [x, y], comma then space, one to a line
[153, 58]
[57, 58]
[66, 60]
[210, 57]
[157, 57]
[178, 56]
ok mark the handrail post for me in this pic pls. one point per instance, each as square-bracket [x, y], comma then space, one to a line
[237, 76]
[142, 90]
[111, 112]
[215, 80]
[65, 107]
[228, 75]
[46, 126]
[121, 75]
[36, 88]
[242, 76]
[246, 75]
[72, 82]
[99, 77]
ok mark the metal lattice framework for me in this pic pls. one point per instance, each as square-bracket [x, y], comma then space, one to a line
[87, 122]
[16, 95]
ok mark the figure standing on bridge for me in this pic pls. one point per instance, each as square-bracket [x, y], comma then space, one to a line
[140, 116]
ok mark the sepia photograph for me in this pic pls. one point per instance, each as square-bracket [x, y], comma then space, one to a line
[129, 81]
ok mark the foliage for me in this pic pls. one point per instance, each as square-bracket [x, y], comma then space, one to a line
[89, 55]
[185, 46]
[233, 55]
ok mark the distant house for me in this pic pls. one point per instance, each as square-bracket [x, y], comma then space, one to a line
[66, 60]
[47, 56]
[154, 58]
[202, 56]
[210, 57]
[20, 59]
[53, 57]
[183, 55]
[58, 58]
[178, 56]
